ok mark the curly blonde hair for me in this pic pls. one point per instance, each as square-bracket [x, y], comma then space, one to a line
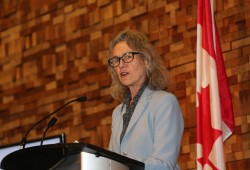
[157, 75]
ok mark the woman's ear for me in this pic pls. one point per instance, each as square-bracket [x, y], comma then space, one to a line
[146, 61]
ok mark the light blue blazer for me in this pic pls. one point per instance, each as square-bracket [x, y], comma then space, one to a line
[154, 132]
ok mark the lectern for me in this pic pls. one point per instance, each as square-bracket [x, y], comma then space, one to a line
[68, 156]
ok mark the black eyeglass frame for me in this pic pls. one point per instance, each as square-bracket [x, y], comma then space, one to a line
[121, 58]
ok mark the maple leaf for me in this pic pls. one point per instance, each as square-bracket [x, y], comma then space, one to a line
[206, 134]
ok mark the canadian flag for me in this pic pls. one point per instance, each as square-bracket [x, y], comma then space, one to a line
[215, 120]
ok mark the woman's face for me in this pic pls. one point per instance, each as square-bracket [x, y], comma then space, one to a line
[131, 74]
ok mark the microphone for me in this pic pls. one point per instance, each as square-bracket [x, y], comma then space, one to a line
[50, 124]
[23, 143]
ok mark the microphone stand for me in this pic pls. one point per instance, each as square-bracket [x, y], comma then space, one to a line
[23, 143]
[50, 124]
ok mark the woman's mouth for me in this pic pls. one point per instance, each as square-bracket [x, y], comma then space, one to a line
[122, 74]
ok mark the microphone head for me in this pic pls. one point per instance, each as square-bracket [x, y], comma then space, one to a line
[82, 99]
[52, 122]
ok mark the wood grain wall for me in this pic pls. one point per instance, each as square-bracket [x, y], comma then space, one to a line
[52, 51]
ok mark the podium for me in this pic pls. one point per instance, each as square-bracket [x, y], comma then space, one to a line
[68, 156]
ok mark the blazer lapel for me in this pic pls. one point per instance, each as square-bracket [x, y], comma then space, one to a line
[141, 105]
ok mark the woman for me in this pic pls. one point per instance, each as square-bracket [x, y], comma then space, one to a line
[148, 124]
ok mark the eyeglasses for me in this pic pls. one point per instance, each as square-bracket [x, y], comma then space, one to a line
[126, 58]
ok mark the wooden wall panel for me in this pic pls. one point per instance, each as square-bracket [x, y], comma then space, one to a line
[52, 51]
